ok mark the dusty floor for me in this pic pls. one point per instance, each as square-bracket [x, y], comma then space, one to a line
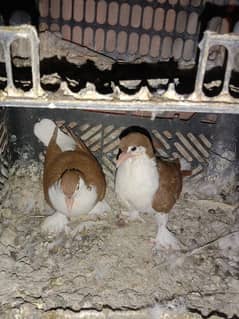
[109, 270]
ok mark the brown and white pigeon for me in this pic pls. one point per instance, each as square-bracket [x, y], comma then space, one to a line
[73, 181]
[147, 184]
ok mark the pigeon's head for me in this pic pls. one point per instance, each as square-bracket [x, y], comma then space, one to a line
[134, 142]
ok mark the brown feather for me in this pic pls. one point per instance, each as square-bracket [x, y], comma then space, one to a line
[69, 182]
[170, 185]
[137, 139]
[81, 159]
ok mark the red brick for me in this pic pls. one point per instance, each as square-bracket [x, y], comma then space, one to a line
[158, 19]
[44, 8]
[90, 11]
[155, 46]
[192, 23]
[177, 48]
[110, 41]
[144, 44]
[99, 39]
[184, 2]
[166, 48]
[77, 35]
[124, 14]
[133, 43]
[181, 21]
[78, 11]
[170, 20]
[188, 50]
[147, 17]
[122, 42]
[67, 9]
[66, 32]
[88, 37]
[113, 13]
[136, 16]
[101, 12]
[55, 9]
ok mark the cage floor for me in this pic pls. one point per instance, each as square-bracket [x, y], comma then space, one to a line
[109, 269]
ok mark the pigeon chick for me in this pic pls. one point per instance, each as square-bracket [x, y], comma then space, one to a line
[147, 184]
[73, 181]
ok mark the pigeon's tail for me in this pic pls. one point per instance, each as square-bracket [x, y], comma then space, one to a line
[44, 130]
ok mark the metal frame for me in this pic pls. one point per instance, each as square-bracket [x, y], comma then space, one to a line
[89, 99]
[7, 36]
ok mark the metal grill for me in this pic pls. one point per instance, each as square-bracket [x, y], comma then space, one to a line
[103, 141]
[4, 148]
[144, 97]
[173, 138]
[146, 30]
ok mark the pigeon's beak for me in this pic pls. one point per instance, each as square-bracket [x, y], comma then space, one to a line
[69, 203]
[122, 158]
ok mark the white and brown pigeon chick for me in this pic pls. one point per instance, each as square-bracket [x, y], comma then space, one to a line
[147, 184]
[73, 181]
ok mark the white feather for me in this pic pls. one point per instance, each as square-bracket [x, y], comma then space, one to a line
[55, 223]
[100, 209]
[44, 129]
[136, 182]
[165, 239]
[85, 199]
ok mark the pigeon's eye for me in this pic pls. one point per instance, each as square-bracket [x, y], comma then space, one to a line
[133, 148]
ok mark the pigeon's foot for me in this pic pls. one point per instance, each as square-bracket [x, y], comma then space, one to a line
[55, 224]
[165, 240]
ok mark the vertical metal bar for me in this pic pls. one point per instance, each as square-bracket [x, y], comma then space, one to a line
[229, 66]
[7, 57]
[204, 50]
[34, 42]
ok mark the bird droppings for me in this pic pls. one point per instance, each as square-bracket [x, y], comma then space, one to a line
[105, 267]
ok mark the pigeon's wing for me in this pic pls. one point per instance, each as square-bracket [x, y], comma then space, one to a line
[170, 185]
